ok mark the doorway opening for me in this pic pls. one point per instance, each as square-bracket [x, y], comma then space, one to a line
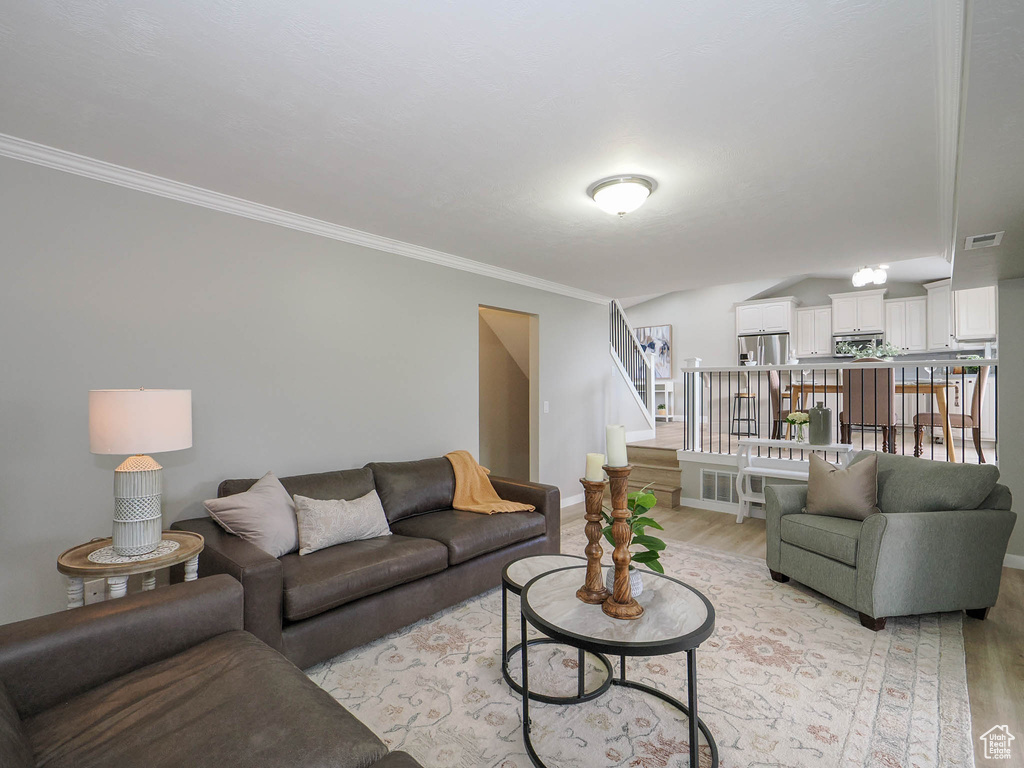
[509, 392]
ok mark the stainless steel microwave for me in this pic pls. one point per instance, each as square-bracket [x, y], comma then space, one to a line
[857, 340]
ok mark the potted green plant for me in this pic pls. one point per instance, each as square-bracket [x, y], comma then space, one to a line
[639, 503]
[662, 410]
[883, 351]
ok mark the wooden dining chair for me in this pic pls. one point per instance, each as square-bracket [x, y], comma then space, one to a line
[957, 420]
[776, 396]
[869, 401]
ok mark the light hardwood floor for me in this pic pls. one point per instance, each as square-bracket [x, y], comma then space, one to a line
[994, 647]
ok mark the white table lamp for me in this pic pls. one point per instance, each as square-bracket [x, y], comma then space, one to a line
[138, 422]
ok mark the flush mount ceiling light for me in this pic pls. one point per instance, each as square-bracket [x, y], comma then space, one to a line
[867, 275]
[621, 194]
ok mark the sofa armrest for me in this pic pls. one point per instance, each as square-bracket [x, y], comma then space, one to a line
[922, 562]
[49, 659]
[779, 500]
[546, 498]
[260, 573]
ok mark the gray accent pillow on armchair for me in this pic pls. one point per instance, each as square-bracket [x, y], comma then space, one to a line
[851, 493]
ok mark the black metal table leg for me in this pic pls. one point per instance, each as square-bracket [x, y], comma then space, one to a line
[691, 699]
[580, 677]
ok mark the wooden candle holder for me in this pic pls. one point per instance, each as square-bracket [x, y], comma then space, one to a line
[621, 603]
[593, 590]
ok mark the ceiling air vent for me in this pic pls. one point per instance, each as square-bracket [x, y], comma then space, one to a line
[983, 241]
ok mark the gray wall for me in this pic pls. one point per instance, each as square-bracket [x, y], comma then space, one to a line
[1011, 400]
[302, 353]
[504, 405]
[815, 291]
[703, 321]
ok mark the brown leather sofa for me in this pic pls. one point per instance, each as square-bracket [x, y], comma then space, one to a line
[165, 679]
[315, 606]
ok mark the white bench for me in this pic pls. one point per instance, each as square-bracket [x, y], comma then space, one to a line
[750, 465]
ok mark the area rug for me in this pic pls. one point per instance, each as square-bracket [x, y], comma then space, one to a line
[789, 678]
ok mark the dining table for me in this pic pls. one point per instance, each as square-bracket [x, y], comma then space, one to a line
[799, 391]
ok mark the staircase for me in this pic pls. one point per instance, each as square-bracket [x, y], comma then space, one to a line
[658, 468]
[633, 362]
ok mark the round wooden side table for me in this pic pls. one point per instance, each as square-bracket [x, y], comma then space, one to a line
[97, 560]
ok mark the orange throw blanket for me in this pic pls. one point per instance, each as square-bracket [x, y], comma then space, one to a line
[474, 492]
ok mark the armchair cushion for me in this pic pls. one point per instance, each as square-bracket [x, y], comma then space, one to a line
[337, 575]
[230, 701]
[468, 534]
[833, 537]
[907, 484]
[15, 750]
[851, 493]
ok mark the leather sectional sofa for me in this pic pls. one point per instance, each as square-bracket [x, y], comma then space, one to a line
[313, 607]
[164, 679]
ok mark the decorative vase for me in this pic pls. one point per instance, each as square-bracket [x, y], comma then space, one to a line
[820, 431]
[636, 582]
[800, 433]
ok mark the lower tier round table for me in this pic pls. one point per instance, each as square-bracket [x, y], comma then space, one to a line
[513, 578]
[677, 618]
[97, 560]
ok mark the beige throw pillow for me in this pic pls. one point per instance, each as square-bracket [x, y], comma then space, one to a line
[324, 523]
[851, 493]
[264, 515]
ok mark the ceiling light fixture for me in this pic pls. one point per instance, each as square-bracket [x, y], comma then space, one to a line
[621, 194]
[867, 275]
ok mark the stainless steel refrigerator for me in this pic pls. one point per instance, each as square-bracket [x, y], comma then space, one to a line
[764, 348]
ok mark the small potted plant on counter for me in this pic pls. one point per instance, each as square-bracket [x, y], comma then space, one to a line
[639, 503]
[798, 419]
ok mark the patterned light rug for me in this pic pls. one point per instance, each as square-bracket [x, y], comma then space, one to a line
[789, 678]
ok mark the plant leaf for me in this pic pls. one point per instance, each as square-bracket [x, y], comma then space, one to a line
[645, 557]
[648, 521]
[647, 501]
[656, 566]
[607, 533]
[651, 542]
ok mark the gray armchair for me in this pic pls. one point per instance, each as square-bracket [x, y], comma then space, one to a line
[937, 545]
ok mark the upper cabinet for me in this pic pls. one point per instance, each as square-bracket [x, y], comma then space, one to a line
[906, 324]
[975, 314]
[858, 312]
[940, 317]
[766, 316]
[814, 332]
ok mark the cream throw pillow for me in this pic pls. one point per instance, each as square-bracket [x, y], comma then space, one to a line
[264, 515]
[851, 493]
[324, 523]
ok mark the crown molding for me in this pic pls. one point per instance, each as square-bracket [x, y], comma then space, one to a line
[99, 170]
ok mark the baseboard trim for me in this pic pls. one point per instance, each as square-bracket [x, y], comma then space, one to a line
[720, 506]
[100, 170]
[568, 501]
[1014, 561]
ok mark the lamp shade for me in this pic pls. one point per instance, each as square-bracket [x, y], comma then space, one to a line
[133, 421]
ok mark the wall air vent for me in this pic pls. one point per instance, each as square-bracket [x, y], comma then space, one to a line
[990, 240]
[721, 486]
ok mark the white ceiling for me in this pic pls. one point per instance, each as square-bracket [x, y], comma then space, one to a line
[784, 136]
[991, 179]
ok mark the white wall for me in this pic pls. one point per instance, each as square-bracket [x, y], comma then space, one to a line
[302, 353]
[703, 321]
[1011, 401]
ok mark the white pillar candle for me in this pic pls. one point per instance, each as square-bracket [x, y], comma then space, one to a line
[595, 462]
[616, 445]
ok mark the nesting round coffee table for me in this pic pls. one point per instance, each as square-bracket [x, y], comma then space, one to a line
[677, 618]
[513, 578]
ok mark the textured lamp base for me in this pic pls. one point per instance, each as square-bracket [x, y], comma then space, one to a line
[138, 522]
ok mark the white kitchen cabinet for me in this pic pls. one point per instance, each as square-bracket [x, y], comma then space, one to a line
[975, 314]
[813, 332]
[940, 317]
[767, 316]
[906, 324]
[858, 312]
